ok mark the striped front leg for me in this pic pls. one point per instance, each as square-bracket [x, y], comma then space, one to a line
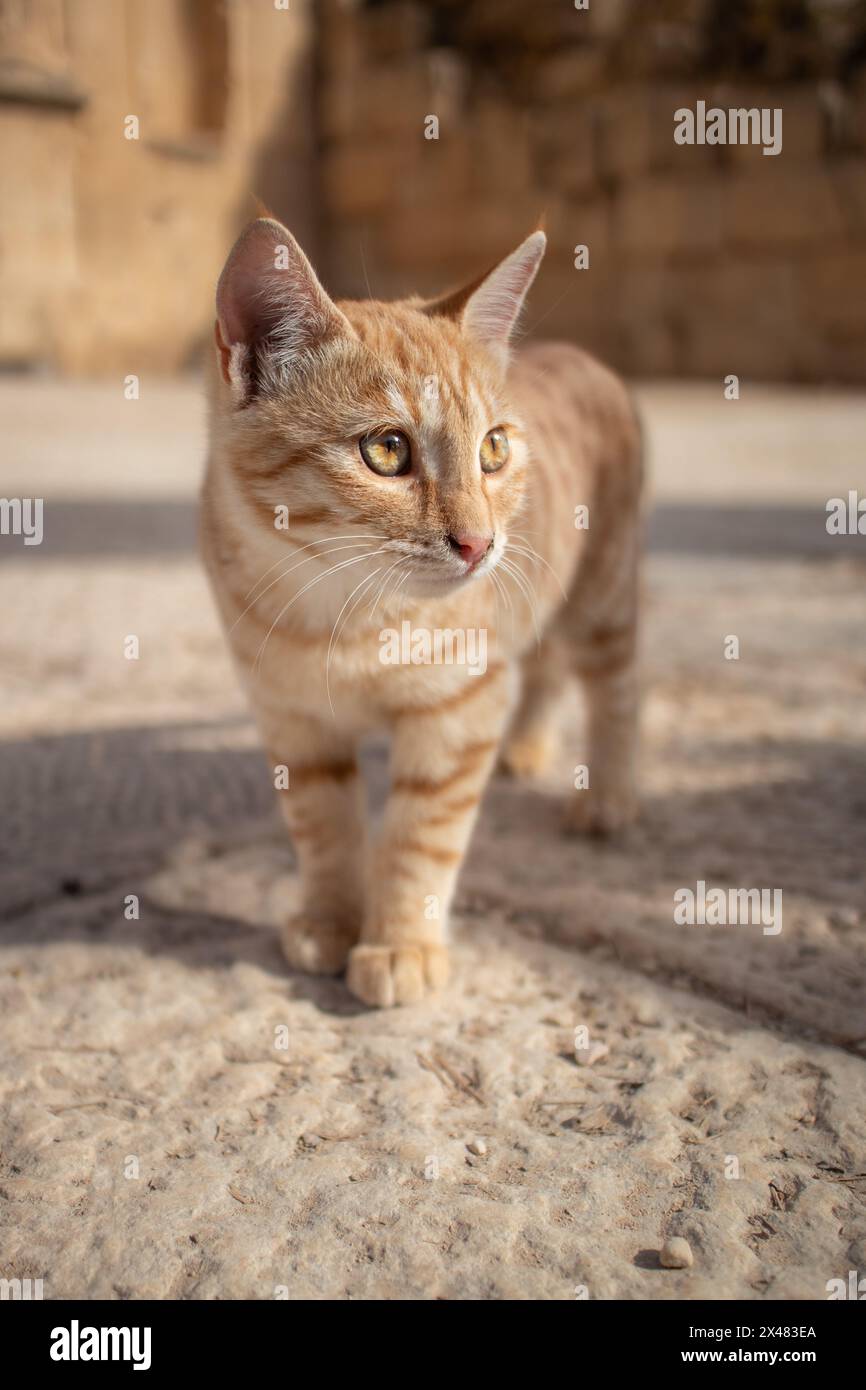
[322, 805]
[442, 757]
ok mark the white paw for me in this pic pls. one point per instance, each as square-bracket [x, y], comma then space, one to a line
[382, 976]
[593, 812]
[320, 947]
[529, 755]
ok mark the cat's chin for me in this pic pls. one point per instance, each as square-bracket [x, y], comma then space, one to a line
[441, 585]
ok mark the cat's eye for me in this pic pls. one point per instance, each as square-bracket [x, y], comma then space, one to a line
[387, 454]
[494, 451]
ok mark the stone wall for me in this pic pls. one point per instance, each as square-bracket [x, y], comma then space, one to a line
[703, 259]
[110, 246]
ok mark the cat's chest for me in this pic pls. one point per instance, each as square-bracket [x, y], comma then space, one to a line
[368, 674]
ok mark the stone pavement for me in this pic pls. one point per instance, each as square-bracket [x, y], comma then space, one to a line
[155, 1141]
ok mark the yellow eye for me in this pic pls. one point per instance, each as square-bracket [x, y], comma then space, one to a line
[387, 454]
[494, 451]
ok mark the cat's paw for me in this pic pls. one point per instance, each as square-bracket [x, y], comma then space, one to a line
[600, 813]
[317, 947]
[528, 755]
[382, 976]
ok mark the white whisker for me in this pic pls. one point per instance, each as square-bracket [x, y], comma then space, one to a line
[403, 595]
[532, 554]
[322, 540]
[502, 593]
[382, 586]
[320, 555]
[311, 583]
[523, 584]
[335, 635]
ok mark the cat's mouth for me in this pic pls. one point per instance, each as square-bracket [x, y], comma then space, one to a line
[441, 569]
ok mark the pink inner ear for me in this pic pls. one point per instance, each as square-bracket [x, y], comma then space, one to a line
[250, 290]
[491, 312]
[269, 290]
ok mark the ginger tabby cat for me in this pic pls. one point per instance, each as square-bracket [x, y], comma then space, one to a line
[377, 464]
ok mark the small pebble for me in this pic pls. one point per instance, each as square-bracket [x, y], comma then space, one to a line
[646, 1014]
[310, 1140]
[477, 1146]
[676, 1253]
[588, 1056]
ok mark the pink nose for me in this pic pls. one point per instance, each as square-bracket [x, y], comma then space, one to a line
[472, 549]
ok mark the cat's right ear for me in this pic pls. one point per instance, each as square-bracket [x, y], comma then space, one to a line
[270, 308]
[488, 308]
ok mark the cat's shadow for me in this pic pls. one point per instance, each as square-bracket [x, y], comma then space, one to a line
[184, 817]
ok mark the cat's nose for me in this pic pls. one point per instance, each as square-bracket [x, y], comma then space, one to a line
[472, 549]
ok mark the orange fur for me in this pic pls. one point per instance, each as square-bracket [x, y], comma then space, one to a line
[303, 381]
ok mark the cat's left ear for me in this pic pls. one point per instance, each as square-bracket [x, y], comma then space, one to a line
[271, 308]
[488, 308]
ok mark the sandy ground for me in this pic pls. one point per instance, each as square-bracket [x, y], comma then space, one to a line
[183, 1118]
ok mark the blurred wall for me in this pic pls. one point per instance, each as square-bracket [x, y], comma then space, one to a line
[110, 246]
[704, 260]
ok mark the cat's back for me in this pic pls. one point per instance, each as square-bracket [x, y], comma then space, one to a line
[557, 383]
[584, 446]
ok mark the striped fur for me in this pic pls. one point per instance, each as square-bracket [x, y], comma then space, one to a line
[304, 607]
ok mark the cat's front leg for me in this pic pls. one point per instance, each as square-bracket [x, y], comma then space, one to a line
[321, 798]
[442, 757]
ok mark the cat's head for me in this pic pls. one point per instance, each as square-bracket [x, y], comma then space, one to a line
[389, 421]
